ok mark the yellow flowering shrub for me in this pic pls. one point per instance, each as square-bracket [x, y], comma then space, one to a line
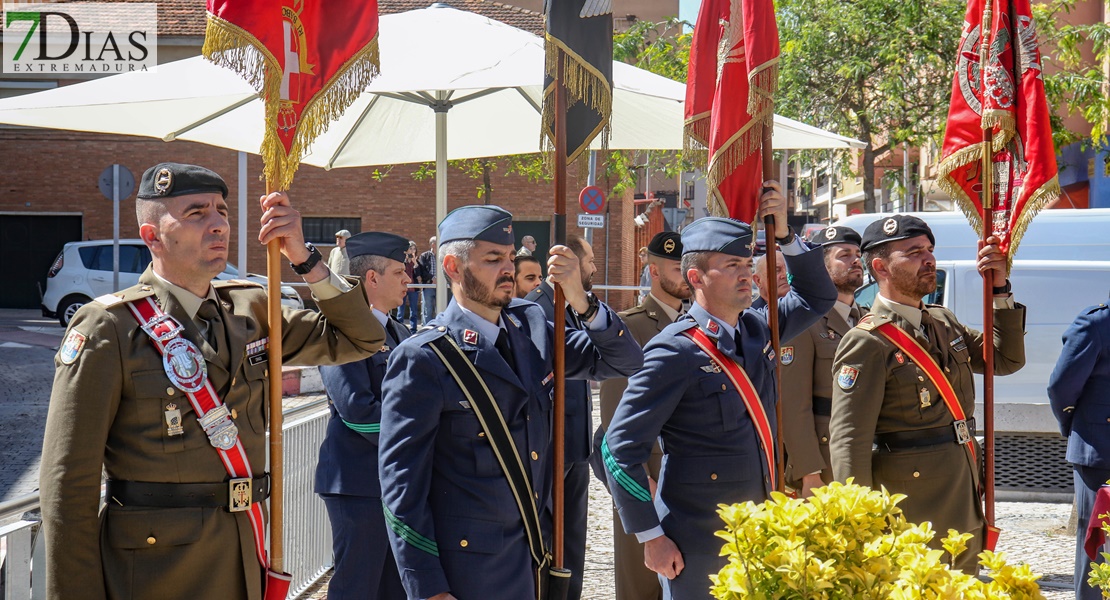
[851, 542]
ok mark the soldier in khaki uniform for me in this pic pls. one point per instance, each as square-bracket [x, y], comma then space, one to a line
[807, 366]
[660, 308]
[883, 399]
[167, 531]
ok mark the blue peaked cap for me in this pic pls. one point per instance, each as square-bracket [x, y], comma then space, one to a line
[717, 234]
[486, 223]
[378, 243]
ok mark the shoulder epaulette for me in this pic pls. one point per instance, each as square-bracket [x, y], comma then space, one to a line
[868, 322]
[428, 333]
[635, 310]
[235, 283]
[1095, 309]
[109, 299]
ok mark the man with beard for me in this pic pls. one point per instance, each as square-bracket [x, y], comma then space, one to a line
[890, 425]
[527, 276]
[347, 473]
[707, 393]
[164, 388]
[661, 307]
[807, 366]
[579, 425]
[456, 526]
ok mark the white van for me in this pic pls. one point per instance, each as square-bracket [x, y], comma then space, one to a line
[1029, 450]
[1064, 234]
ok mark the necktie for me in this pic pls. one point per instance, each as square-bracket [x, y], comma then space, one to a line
[391, 329]
[505, 349]
[931, 329]
[213, 327]
[854, 315]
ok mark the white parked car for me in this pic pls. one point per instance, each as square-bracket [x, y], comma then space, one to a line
[83, 271]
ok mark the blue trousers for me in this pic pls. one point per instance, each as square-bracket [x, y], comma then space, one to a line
[364, 565]
[412, 300]
[429, 304]
[1087, 482]
[576, 507]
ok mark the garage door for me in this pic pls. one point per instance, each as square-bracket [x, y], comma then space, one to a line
[28, 246]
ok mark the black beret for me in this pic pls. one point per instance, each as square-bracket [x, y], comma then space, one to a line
[666, 244]
[378, 243]
[486, 223]
[835, 234]
[894, 228]
[167, 180]
[717, 234]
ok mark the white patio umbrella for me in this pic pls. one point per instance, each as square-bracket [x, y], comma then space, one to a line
[454, 85]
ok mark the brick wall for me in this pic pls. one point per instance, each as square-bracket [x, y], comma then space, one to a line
[56, 171]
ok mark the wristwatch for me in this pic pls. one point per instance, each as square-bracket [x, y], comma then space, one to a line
[998, 291]
[790, 235]
[595, 306]
[313, 258]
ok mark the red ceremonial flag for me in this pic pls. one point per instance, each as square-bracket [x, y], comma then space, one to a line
[743, 100]
[1013, 105]
[309, 61]
[701, 75]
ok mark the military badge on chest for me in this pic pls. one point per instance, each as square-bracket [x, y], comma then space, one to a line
[787, 355]
[173, 420]
[184, 365]
[256, 351]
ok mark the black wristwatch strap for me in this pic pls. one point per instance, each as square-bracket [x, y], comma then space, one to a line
[998, 291]
[595, 306]
[313, 258]
[789, 237]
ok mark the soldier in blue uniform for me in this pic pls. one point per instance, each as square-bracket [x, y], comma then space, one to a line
[455, 525]
[579, 428]
[712, 452]
[1077, 391]
[347, 474]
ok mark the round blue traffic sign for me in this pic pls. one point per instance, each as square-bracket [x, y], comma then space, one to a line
[592, 199]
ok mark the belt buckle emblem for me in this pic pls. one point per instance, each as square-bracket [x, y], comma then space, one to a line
[240, 494]
[963, 434]
[151, 327]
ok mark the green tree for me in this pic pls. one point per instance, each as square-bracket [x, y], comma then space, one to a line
[1077, 71]
[876, 70]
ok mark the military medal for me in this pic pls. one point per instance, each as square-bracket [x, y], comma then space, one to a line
[184, 365]
[926, 399]
[173, 420]
[221, 430]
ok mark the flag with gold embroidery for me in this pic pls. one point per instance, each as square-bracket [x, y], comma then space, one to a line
[745, 77]
[308, 60]
[580, 36]
[1007, 97]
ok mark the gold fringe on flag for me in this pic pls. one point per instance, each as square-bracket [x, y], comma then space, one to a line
[230, 46]
[583, 83]
[731, 155]
[763, 82]
[695, 140]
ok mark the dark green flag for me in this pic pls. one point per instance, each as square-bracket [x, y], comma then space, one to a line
[580, 34]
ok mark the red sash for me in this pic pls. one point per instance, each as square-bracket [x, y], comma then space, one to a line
[164, 329]
[747, 393]
[906, 343]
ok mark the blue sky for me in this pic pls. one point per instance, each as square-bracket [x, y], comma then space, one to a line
[688, 10]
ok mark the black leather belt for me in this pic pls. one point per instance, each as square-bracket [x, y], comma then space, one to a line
[822, 407]
[188, 495]
[934, 436]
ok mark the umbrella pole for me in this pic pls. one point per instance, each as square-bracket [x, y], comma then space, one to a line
[987, 201]
[772, 298]
[441, 108]
[559, 357]
[273, 300]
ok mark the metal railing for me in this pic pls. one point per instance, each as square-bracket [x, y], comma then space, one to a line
[307, 529]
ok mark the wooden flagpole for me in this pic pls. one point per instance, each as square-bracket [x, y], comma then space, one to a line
[987, 201]
[772, 298]
[559, 358]
[277, 466]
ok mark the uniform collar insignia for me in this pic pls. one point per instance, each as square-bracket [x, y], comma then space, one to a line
[713, 327]
[470, 337]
